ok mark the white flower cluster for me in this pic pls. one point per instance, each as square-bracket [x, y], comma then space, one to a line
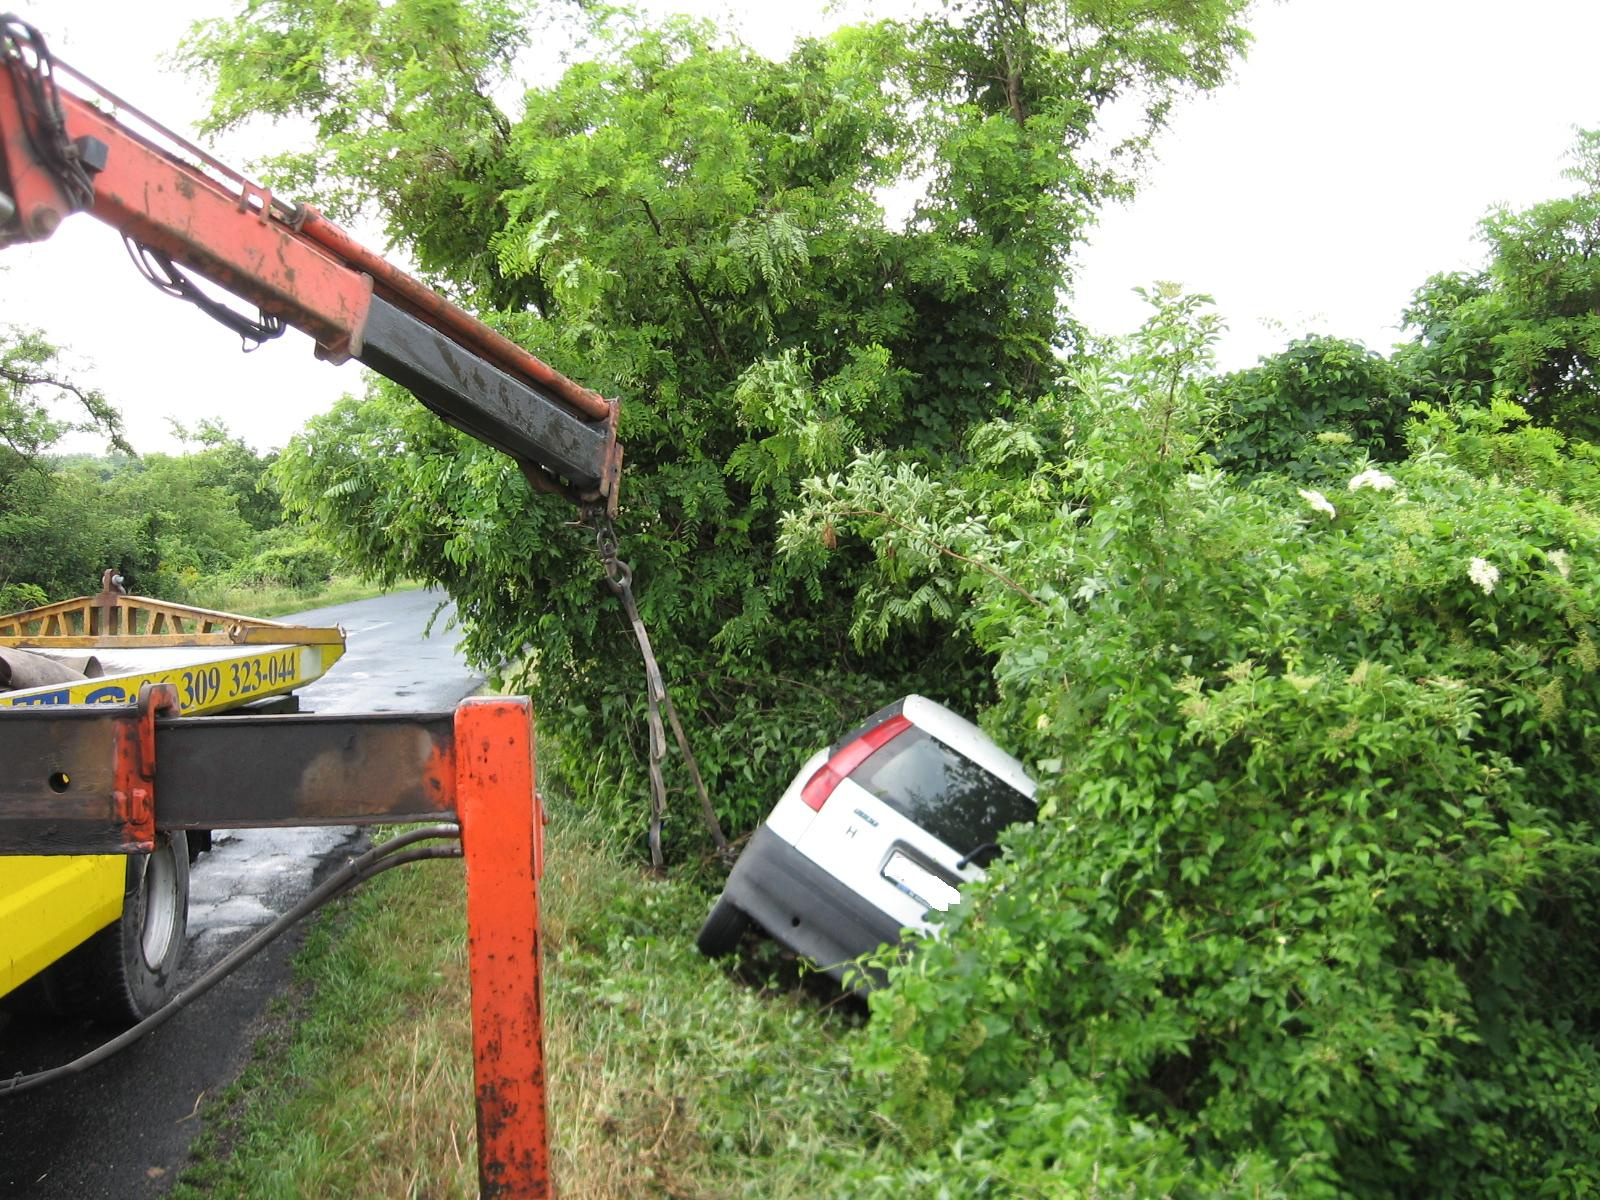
[1559, 560]
[1372, 478]
[1318, 501]
[1484, 573]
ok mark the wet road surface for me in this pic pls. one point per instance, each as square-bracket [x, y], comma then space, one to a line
[121, 1130]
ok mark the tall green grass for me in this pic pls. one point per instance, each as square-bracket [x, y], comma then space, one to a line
[668, 1076]
[275, 601]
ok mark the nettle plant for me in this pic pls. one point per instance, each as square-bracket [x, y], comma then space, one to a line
[1311, 906]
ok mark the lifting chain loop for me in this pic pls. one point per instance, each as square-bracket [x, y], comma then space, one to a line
[620, 576]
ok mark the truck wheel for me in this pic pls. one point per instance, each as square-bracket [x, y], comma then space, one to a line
[722, 930]
[130, 968]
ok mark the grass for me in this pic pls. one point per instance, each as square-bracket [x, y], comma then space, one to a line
[668, 1076]
[273, 602]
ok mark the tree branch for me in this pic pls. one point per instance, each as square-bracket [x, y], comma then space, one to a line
[1008, 47]
[101, 415]
[688, 283]
[941, 548]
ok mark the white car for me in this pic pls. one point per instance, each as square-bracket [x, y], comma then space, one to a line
[874, 834]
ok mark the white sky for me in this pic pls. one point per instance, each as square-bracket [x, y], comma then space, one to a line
[1350, 158]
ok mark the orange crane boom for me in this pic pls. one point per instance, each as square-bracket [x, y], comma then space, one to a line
[60, 154]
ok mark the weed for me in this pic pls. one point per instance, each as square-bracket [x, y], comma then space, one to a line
[275, 601]
[667, 1076]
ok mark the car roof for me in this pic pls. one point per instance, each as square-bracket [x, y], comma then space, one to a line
[966, 739]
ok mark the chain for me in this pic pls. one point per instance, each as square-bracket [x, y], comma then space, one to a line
[619, 575]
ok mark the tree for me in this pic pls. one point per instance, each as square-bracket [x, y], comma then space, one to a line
[1526, 328]
[34, 390]
[699, 230]
[169, 524]
[220, 459]
[45, 533]
[164, 520]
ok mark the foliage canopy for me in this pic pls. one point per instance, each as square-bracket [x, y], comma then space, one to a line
[165, 521]
[703, 232]
[1527, 327]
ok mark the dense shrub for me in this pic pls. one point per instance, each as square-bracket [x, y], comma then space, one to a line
[14, 597]
[1269, 417]
[1311, 907]
[295, 563]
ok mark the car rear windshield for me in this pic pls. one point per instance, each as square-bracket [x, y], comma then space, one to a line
[946, 793]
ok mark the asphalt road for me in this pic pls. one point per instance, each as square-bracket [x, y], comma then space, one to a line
[122, 1130]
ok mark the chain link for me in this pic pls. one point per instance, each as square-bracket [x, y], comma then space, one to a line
[618, 573]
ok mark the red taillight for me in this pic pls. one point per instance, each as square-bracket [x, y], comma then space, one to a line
[820, 786]
[832, 773]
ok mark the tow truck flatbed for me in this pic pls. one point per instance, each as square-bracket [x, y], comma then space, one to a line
[216, 660]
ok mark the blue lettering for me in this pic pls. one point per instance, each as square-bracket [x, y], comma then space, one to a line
[61, 697]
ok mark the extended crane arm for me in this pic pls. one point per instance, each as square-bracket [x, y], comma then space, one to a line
[61, 154]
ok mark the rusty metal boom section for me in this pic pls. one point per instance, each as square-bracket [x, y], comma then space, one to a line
[84, 779]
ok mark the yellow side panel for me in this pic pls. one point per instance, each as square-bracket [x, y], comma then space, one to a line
[49, 905]
[231, 677]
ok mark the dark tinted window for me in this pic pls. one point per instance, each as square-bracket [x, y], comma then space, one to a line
[949, 795]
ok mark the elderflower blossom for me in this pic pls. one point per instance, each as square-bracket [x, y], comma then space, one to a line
[1558, 559]
[1318, 501]
[1484, 573]
[1372, 478]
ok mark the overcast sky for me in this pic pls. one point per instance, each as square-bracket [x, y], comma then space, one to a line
[1351, 157]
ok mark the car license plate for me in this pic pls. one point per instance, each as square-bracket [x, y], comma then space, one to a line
[921, 884]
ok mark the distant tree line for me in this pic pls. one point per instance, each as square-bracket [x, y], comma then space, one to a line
[177, 526]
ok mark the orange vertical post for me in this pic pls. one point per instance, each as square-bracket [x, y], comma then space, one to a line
[501, 838]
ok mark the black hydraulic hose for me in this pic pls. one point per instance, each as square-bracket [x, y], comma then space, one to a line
[377, 860]
[39, 105]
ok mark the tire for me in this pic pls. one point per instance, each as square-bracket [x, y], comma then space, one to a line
[722, 929]
[130, 968]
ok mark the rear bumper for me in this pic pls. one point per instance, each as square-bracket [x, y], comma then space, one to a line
[805, 908]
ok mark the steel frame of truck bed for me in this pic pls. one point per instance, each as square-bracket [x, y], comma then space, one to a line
[106, 778]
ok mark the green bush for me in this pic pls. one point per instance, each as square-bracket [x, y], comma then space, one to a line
[300, 565]
[14, 597]
[1270, 417]
[1311, 906]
